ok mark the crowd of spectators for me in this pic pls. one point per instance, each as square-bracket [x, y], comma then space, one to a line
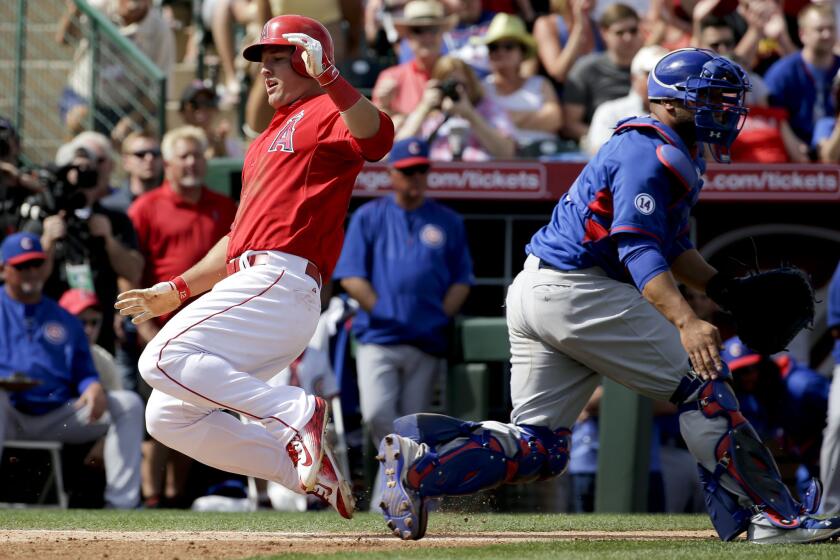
[534, 73]
[469, 80]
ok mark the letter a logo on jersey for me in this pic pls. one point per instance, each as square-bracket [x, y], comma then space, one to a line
[285, 139]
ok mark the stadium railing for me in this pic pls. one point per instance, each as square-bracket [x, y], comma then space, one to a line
[34, 72]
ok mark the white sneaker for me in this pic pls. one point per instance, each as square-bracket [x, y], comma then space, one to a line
[809, 530]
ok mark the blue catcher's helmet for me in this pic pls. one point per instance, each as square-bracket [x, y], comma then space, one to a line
[711, 86]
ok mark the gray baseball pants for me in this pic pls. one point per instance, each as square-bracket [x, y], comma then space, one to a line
[569, 328]
[830, 452]
[122, 426]
[394, 381]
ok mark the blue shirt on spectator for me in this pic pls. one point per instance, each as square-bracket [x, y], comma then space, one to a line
[583, 457]
[803, 90]
[45, 342]
[411, 258]
[633, 198]
[833, 319]
[806, 406]
[823, 130]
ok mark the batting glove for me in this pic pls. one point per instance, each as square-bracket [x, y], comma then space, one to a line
[317, 65]
[142, 305]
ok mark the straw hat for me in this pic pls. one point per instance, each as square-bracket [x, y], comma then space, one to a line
[507, 26]
[419, 13]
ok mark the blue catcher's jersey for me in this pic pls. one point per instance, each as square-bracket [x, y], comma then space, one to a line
[643, 182]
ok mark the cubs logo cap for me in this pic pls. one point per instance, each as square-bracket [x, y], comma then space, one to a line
[21, 247]
[409, 152]
[737, 355]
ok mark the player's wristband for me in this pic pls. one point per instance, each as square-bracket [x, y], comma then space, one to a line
[182, 288]
[340, 91]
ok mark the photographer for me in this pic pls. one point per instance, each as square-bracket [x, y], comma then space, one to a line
[460, 122]
[89, 246]
[15, 183]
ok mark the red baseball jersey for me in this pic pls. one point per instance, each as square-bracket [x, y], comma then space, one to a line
[174, 234]
[297, 179]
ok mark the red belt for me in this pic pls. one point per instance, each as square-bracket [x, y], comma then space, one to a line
[234, 265]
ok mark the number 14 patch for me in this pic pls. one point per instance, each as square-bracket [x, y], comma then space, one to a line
[645, 204]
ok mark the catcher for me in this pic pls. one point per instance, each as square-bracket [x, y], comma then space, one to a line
[598, 296]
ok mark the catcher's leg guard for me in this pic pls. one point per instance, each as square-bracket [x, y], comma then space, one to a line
[467, 457]
[744, 460]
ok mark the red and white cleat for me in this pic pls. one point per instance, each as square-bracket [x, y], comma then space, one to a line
[332, 488]
[306, 449]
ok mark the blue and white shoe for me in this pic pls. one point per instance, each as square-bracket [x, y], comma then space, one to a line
[809, 530]
[402, 507]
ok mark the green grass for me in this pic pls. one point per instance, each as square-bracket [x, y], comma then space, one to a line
[175, 520]
[439, 524]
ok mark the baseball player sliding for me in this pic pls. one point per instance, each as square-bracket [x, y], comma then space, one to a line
[598, 297]
[261, 282]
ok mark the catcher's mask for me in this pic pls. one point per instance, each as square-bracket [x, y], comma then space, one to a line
[709, 85]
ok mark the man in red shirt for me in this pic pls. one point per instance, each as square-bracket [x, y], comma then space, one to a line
[265, 276]
[179, 223]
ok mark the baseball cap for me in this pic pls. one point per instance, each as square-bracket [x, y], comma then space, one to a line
[77, 300]
[737, 356]
[408, 153]
[194, 89]
[21, 247]
[646, 59]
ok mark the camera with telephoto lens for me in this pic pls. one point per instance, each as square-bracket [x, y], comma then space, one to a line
[449, 88]
[65, 188]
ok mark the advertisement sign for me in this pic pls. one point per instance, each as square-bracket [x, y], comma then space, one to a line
[549, 180]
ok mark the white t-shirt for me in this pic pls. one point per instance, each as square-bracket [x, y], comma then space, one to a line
[527, 98]
[607, 115]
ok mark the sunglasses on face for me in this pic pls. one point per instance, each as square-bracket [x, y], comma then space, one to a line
[503, 46]
[143, 153]
[27, 265]
[424, 29]
[91, 321]
[414, 170]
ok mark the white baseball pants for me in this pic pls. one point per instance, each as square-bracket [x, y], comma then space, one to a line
[217, 355]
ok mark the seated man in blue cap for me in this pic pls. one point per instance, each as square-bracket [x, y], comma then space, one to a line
[45, 343]
[406, 261]
[786, 403]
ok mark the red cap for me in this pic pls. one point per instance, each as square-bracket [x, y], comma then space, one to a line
[77, 300]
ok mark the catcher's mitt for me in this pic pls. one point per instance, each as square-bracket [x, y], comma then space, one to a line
[770, 308]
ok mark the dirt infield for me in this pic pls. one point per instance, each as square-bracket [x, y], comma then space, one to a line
[194, 545]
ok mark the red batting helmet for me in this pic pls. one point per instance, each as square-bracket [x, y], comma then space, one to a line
[272, 34]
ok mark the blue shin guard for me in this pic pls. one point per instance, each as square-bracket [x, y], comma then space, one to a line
[467, 457]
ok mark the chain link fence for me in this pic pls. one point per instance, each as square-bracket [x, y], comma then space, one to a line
[93, 79]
